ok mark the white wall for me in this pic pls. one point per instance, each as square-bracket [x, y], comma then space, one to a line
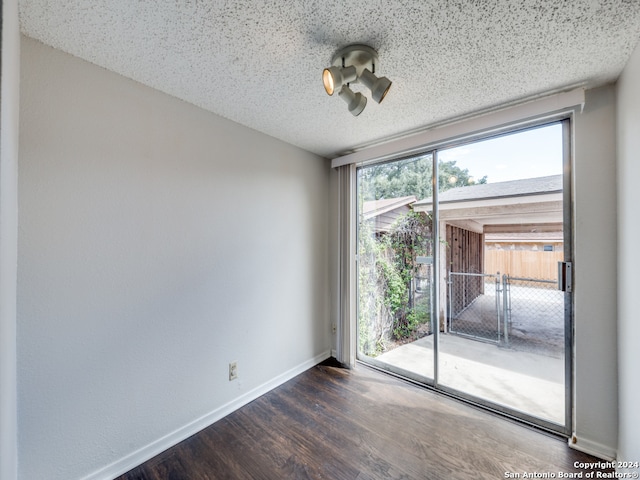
[9, 109]
[594, 223]
[157, 243]
[629, 260]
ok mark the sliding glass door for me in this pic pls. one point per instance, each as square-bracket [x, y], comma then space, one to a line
[459, 288]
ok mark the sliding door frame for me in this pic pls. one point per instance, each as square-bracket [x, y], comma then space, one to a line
[565, 118]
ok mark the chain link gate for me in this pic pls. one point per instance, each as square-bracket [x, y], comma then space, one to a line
[474, 305]
[523, 313]
[533, 314]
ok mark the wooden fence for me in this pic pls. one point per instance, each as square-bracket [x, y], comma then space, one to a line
[523, 263]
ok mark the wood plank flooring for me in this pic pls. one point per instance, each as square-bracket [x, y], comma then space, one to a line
[332, 423]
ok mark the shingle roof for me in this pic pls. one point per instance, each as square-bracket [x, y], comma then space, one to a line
[378, 207]
[512, 188]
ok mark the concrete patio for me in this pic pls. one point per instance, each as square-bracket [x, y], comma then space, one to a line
[525, 381]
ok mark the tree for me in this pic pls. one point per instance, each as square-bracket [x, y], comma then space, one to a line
[410, 177]
[450, 176]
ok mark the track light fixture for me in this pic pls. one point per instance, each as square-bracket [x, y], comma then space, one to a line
[355, 64]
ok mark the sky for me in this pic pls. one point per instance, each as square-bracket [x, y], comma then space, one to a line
[529, 154]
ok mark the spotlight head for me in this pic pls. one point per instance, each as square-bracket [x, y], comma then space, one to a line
[355, 101]
[335, 77]
[328, 78]
[379, 86]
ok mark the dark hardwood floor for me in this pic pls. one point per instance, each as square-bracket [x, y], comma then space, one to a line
[332, 423]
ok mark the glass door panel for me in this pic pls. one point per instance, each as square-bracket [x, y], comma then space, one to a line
[395, 278]
[503, 339]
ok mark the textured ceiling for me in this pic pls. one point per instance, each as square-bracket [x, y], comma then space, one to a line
[259, 63]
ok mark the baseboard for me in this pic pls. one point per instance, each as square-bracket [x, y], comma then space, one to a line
[592, 448]
[140, 456]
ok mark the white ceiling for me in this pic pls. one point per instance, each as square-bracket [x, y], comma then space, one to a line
[259, 62]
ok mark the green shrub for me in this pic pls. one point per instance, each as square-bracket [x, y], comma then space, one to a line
[386, 267]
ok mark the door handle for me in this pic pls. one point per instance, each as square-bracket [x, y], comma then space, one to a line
[565, 276]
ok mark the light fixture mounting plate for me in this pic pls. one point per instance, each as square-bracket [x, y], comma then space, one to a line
[357, 55]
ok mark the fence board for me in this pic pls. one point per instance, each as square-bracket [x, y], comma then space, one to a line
[524, 263]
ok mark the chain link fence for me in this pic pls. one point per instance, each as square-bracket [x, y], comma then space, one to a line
[422, 292]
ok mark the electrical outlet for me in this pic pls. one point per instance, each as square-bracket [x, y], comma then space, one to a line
[233, 371]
